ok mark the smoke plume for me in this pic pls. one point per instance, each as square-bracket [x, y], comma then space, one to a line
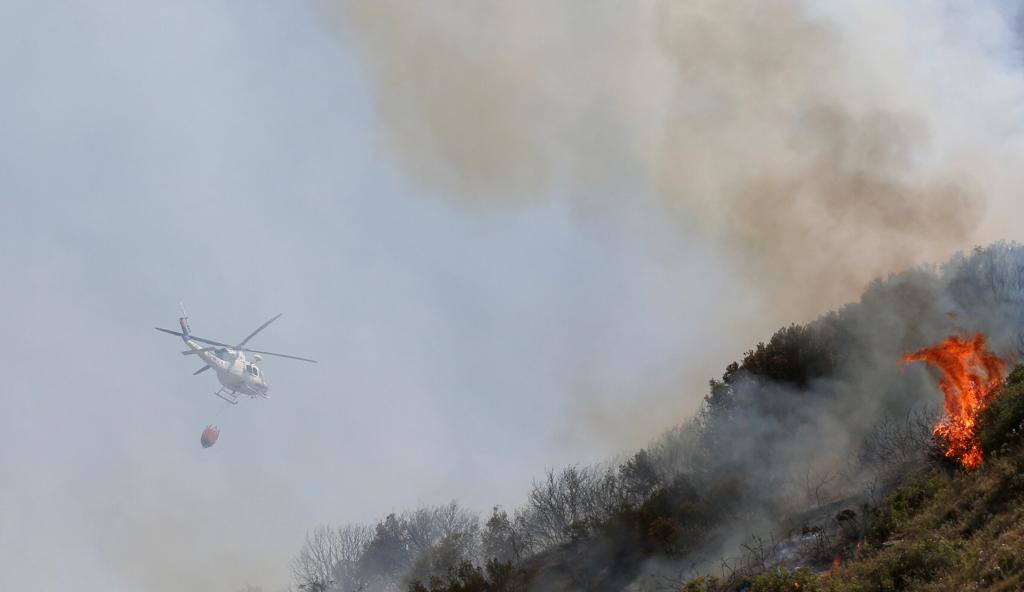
[771, 129]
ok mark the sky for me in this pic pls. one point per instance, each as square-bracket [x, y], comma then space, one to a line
[221, 155]
[229, 156]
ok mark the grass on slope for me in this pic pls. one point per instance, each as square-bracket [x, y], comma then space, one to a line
[944, 530]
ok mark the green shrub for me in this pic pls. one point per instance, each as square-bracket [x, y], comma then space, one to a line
[702, 584]
[900, 506]
[919, 562]
[784, 580]
[1002, 422]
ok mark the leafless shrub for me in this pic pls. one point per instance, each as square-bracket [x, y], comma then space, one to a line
[563, 505]
[895, 441]
[429, 525]
[759, 554]
[815, 484]
[819, 545]
[504, 538]
[329, 559]
[439, 539]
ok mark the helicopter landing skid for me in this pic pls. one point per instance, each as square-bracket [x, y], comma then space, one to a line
[228, 395]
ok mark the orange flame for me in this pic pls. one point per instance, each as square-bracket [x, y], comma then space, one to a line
[837, 562]
[971, 377]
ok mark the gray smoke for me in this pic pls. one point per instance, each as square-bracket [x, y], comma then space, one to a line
[775, 130]
[793, 448]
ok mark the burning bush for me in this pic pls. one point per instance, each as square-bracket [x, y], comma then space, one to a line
[971, 379]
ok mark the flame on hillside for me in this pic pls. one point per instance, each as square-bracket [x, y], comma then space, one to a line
[971, 378]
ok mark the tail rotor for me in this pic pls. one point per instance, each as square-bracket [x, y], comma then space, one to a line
[183, 321]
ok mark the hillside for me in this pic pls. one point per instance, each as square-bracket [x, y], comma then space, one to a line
[815, 449]
[943, 529]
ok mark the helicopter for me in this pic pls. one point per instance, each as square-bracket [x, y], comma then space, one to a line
[237, 375]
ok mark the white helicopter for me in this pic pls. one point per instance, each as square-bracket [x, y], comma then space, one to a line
[237, 375]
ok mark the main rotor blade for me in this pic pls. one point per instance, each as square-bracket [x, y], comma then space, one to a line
[200, 339]
[266, 353]
[203, 369]
[190, 352]
[261, 327]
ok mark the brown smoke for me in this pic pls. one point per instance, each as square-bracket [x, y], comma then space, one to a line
[751, 119]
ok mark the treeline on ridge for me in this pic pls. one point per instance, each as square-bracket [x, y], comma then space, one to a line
[796, 424]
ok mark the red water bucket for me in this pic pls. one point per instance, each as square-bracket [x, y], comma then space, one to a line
[209, 437]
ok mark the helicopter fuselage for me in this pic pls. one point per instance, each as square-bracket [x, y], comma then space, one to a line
[233, 370]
